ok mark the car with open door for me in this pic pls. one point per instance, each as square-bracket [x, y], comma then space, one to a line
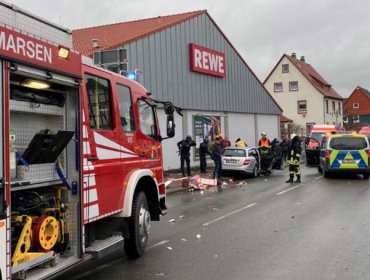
[312, 150]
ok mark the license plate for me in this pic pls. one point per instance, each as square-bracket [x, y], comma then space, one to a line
[232, 161]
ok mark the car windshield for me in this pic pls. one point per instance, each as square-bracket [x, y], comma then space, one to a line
[234, 153]
[348, 143]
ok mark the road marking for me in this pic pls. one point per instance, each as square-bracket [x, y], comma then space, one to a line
[229, 214]
[318, 177]
[290, 189]
[157, 244]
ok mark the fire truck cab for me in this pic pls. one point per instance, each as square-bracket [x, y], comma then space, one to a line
[81, 171]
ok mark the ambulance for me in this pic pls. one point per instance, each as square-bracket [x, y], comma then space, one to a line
[81, 157]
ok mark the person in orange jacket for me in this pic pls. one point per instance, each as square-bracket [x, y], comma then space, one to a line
[264, 141]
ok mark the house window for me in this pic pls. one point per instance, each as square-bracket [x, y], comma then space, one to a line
[356, 118]
[302, 107]
[356, 105]
[293, 86]
[345, 119]
[278, 87]
[327, 106]
[333, 106]
[339, 109]
[285, 68]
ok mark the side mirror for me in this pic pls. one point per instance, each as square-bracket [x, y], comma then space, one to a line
[170, 126]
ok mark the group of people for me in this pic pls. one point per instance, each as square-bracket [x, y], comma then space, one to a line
[291, 150]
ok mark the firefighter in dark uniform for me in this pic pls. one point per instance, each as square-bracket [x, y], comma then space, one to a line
[294, 154]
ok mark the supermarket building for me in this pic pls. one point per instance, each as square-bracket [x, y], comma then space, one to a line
[188, 60]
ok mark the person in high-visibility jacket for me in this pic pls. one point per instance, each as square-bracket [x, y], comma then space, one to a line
[240, 143]
[294, 154]
[264, 141]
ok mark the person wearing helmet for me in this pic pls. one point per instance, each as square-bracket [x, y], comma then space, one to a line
[294, 154]
[264, 141]
[184, 150]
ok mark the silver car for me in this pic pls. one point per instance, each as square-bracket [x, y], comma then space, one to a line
[243, 160]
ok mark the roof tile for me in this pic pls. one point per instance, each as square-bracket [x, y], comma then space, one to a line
[315, 78]
[115, 35]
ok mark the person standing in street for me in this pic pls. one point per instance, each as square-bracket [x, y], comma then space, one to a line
[264, 141]
[293, 159]
[285, 145]
[216, 156]
[184, 150]
[203, 151]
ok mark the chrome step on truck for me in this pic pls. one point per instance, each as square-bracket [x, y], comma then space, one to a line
[102, 248]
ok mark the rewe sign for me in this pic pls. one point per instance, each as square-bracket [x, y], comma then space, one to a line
[207, 61]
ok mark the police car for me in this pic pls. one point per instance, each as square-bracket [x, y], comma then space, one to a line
[339, 153]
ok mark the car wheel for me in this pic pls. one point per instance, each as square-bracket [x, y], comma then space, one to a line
[255, 171]
[366, 176]
[319, 169]
[139, 227]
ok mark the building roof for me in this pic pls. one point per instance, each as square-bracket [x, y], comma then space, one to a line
[113, 36]
[284, 119]
[359, 95]
[311, 75]
[364, 91]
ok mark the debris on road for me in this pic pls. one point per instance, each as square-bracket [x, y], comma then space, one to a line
[198, 236]
[172, 221]
[182, 216]
[183, 239]
[169, 248]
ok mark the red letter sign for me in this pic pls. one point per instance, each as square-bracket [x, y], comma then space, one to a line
[207, 61]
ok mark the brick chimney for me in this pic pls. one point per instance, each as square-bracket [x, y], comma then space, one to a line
[302, 59]
[294, 55]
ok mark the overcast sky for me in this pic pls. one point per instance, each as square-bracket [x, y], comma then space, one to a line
[333, 35]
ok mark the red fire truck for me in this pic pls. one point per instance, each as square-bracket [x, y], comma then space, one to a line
[81, 170]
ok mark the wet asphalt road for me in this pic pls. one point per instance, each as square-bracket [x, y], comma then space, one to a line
[263, 229]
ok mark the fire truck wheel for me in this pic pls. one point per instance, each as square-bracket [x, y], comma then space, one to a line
[139, 227]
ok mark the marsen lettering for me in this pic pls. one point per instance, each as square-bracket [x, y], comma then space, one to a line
[26, 48]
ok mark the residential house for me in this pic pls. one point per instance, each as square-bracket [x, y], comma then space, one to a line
[356, 108]
[304, 95]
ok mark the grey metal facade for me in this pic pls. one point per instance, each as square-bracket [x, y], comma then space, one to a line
[164, 60]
